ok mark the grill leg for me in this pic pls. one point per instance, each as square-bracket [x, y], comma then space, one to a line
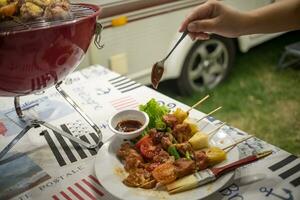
[36, 123]
[16, 139]
[18, 107]
[78, 109]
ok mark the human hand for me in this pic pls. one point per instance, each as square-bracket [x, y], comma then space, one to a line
[214, 17]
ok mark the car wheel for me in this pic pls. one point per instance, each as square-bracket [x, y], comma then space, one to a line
[206, 65]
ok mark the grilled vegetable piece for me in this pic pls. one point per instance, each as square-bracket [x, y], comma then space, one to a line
[184, 147]
[40, 3]
[31, 10]
[165, 173]
[49, 9]
[141, 141]
[173, 152]
[192, 124]
[3, 3]
[7, 10]
[146, 147]
[180, 114]
[215, 155]
[188, 155]
[199, 141]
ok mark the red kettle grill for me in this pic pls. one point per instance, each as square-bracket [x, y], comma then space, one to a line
[38, 54]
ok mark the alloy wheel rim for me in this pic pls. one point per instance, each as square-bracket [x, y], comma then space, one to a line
[208, 64]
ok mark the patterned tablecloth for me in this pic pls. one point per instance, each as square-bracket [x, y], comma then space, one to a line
[48, 166]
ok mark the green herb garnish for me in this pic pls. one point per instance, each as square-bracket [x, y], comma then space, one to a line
[155, 112]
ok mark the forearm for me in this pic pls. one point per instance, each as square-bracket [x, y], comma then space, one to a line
[283, 15]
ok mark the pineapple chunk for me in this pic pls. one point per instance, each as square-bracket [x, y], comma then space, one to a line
[199, 141]
[192, 125]
[180, 115]
[215, 155]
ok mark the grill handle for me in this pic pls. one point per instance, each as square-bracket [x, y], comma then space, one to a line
[98, 32]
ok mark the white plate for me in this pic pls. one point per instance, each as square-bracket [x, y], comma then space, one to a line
[109, 170]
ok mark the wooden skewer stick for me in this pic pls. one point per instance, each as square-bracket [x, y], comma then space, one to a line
[214, 131]
[227, 150]
[198, 103]
[238, 142]
[215, 110]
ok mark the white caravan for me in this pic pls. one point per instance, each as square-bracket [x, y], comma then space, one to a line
[137, 33]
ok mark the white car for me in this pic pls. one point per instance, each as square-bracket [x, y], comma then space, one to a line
[137, 33]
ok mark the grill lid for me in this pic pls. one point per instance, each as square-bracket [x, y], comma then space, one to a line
[77, 12]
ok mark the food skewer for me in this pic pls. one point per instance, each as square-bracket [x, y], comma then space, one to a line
[198, 103]
[238, 142]
[214, 155]
[214, 131]
[209, 175]
[215, 110]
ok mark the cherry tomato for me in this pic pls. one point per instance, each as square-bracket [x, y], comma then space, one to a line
[144, 139]
[146, 147]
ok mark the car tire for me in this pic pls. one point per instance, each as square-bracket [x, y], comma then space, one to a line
[206, 65]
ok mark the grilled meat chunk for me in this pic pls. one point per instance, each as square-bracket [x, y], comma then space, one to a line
[170, 171]
[161, 157]
[156, 136]
[182, 132]
[170, 120]
[57, 10]
[166, 141]
[132, 159]
[201, 160]
[165, 173]
[140, 178]
[184, 167]
[184, 147]
[125, 150]
[133, 162]
[151, 166]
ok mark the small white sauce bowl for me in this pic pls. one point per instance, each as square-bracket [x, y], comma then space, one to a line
[129, 114]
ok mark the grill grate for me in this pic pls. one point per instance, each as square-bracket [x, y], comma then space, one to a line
[77, 11]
